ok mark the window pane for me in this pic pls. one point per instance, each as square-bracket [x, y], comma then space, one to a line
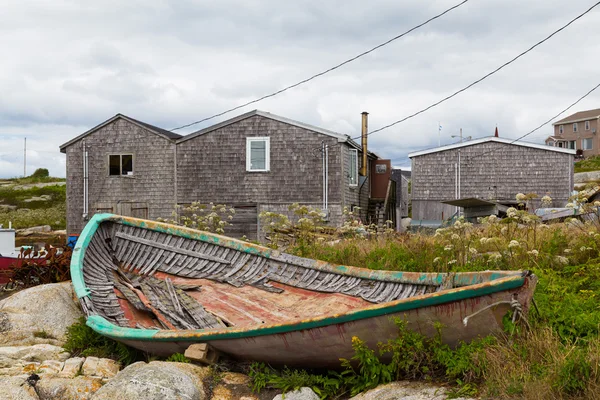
[258, 154]
[114, 165]
[127, 164]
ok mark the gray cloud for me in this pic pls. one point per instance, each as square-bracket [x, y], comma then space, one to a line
[68, 66]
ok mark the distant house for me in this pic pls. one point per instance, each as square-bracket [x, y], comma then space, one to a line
[490, 168]
[254, 162]
[578, 131]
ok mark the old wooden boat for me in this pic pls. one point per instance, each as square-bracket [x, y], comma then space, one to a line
[161, 288]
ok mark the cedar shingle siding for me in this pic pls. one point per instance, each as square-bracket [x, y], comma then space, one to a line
[151, 185]
[211, 167]
[500, 174]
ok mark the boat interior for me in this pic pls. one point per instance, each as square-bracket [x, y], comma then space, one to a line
[148, 279]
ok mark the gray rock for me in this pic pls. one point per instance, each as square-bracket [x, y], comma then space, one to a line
[15, 388]
[405, 390]
[72, 367]
[43, 197]
[79, 388]
[11, 356]
[304, 393]
[100, 367]
[34, 229]
[50, 309]
[157, 380]
[583, 177]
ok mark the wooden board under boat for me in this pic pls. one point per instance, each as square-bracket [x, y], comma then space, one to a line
[161, 288]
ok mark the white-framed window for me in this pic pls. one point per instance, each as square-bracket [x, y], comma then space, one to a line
[572, 144]
[353, 173]
[258, 157]
[575, 127]
[120, 164]
[587, 125]
[561, 129]
[586, 144]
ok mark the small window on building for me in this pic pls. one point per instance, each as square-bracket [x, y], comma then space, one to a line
[586, 144]
[575, 127]
[587, 125]
[120, 164]
[258, 154]
[572, 144]
[353, 167]
[561, 129]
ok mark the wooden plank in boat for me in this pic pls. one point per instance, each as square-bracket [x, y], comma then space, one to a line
[170, 248]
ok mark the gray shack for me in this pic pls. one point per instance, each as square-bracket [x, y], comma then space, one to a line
[254, 162]
[492, 169]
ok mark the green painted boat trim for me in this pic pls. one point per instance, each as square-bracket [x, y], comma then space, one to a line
[473, 284]
[79, 252]
[103, 327]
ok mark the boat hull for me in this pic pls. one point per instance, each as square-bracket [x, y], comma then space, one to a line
[324, 346]
[484, 298]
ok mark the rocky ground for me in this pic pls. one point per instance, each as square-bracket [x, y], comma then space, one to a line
[33, 365]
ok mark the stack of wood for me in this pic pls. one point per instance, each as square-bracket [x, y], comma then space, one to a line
[170, 305]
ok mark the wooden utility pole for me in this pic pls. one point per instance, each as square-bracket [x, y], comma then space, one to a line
[25, 158]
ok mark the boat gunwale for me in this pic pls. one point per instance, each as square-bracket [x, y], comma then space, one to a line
[497, 281]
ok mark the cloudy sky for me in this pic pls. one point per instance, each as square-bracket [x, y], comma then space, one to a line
[68, 65]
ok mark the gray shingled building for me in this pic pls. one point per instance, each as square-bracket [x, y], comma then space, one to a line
[254, 162]
[490, 168]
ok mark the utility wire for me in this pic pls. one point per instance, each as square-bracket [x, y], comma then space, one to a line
[327, 70]
[486, 75]
[543, 124]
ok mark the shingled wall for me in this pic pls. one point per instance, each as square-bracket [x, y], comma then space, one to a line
[489, 171]
[212, 167]
[152, 182]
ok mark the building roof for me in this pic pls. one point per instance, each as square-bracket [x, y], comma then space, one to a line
[154, 129]
[339, 136]
[491, 139]
[580, 116]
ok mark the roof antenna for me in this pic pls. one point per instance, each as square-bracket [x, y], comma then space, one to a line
[496, 133]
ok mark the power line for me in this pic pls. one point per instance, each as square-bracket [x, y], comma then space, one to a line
[486, 75]
[327, 70]
[543, 124]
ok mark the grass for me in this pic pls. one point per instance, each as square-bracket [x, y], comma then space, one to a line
[588, 164]
[34, 213]
[558, 357]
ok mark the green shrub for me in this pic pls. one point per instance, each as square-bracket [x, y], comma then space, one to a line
[178, 357]
[84, 341]
[40, 173]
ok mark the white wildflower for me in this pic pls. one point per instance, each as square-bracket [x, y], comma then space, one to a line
[533, 253]
[546, 199]
[437, 260]
[483, 240]
[511, 212]
[448, 247]
[492, 219]
[452, 262]
[504, 230]
[472, 250]
[513, 243]
[562, 260]
[521, 197]
[495, 256]
[570, 205]
[567, 251]
[455, 236]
